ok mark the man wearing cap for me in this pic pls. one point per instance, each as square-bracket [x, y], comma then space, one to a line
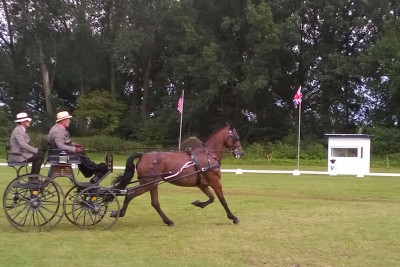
[20, 150]
[58, 138]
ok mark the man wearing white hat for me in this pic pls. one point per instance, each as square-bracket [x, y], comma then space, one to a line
[20, 150]
[58, 138]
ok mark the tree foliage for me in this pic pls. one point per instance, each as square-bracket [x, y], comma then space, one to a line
[238, 60]
[100, 112]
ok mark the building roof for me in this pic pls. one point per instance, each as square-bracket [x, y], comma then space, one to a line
[350, 135]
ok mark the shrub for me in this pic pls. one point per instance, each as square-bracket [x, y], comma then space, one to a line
[314, 151]
[110, 143]
[257, 151]
[281, 150]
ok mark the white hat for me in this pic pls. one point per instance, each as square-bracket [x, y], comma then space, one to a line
[63, 115]
[22, 117]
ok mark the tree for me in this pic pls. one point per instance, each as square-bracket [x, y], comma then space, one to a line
[100, 111]
[334, 33]
[137, 48]
[16, 76]
[381, 64]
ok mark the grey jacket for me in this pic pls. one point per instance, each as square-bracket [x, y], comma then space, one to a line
[59, 137]
[20, 150]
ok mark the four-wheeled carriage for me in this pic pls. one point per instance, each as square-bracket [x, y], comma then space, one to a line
[37, 202]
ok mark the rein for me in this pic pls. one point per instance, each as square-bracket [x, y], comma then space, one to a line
[144, 150]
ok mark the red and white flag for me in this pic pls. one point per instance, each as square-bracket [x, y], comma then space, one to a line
[297, 97]
[180, 104]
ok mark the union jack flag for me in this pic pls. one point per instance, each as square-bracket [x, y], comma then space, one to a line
[297, 97]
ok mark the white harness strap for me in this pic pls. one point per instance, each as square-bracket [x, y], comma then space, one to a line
[185, 166]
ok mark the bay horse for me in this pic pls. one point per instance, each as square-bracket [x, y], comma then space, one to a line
[198, 167]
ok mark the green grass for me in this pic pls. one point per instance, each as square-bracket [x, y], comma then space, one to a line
[286, 220]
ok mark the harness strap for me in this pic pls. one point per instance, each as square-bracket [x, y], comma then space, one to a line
[186, 165]
[167, 175]
[212, 155]
[196, 165]
[198, 171]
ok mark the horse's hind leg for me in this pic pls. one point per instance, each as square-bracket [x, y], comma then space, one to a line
[206, 191]
[122, 211]
[128, 197]
[156, 205]
[218, 191]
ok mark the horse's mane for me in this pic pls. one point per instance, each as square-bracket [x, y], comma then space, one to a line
[228, 124]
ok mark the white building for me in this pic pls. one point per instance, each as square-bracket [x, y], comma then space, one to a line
[349, 154]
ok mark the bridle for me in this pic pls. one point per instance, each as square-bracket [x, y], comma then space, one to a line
[235, 140]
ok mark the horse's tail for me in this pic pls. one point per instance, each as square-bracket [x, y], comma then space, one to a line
[122, 181]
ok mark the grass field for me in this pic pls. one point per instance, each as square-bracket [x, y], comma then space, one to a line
[307, 220]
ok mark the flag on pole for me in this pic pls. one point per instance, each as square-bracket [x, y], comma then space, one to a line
[180, 109]
[180, 104]
[297, 97]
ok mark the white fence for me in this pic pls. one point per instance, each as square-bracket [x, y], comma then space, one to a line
[241, 171]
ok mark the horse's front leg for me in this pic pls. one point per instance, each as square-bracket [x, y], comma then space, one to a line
[156, 205]
[218, 191]
[206, 191]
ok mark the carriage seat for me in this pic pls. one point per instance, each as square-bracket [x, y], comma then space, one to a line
[13, 163]
[16, 165]
[59, 156]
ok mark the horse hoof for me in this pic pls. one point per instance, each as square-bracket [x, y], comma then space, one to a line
[196, 203]
[170, 224]
[114, 214]
[236, 220]
[199, 204]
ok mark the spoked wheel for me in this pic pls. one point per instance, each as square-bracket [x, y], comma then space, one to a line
[93, 206]
[33, 203]
[69, 201]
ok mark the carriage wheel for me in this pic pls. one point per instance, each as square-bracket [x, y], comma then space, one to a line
[32, 206]
[70, 196]
[93, 206]
[69, 200]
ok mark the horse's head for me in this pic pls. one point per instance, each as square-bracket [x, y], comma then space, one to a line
[232, 142]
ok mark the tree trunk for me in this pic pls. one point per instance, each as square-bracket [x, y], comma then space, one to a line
[112, 77]
[146, 86]
[46, 80]
[81, 124]
[112, 33]
[136, 96]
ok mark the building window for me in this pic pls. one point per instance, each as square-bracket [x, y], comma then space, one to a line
[350, 152]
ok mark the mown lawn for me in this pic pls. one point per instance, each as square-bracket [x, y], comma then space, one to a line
[286, 220]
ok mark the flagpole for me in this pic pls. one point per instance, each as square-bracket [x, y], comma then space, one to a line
[298, 139]
[180, 128]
